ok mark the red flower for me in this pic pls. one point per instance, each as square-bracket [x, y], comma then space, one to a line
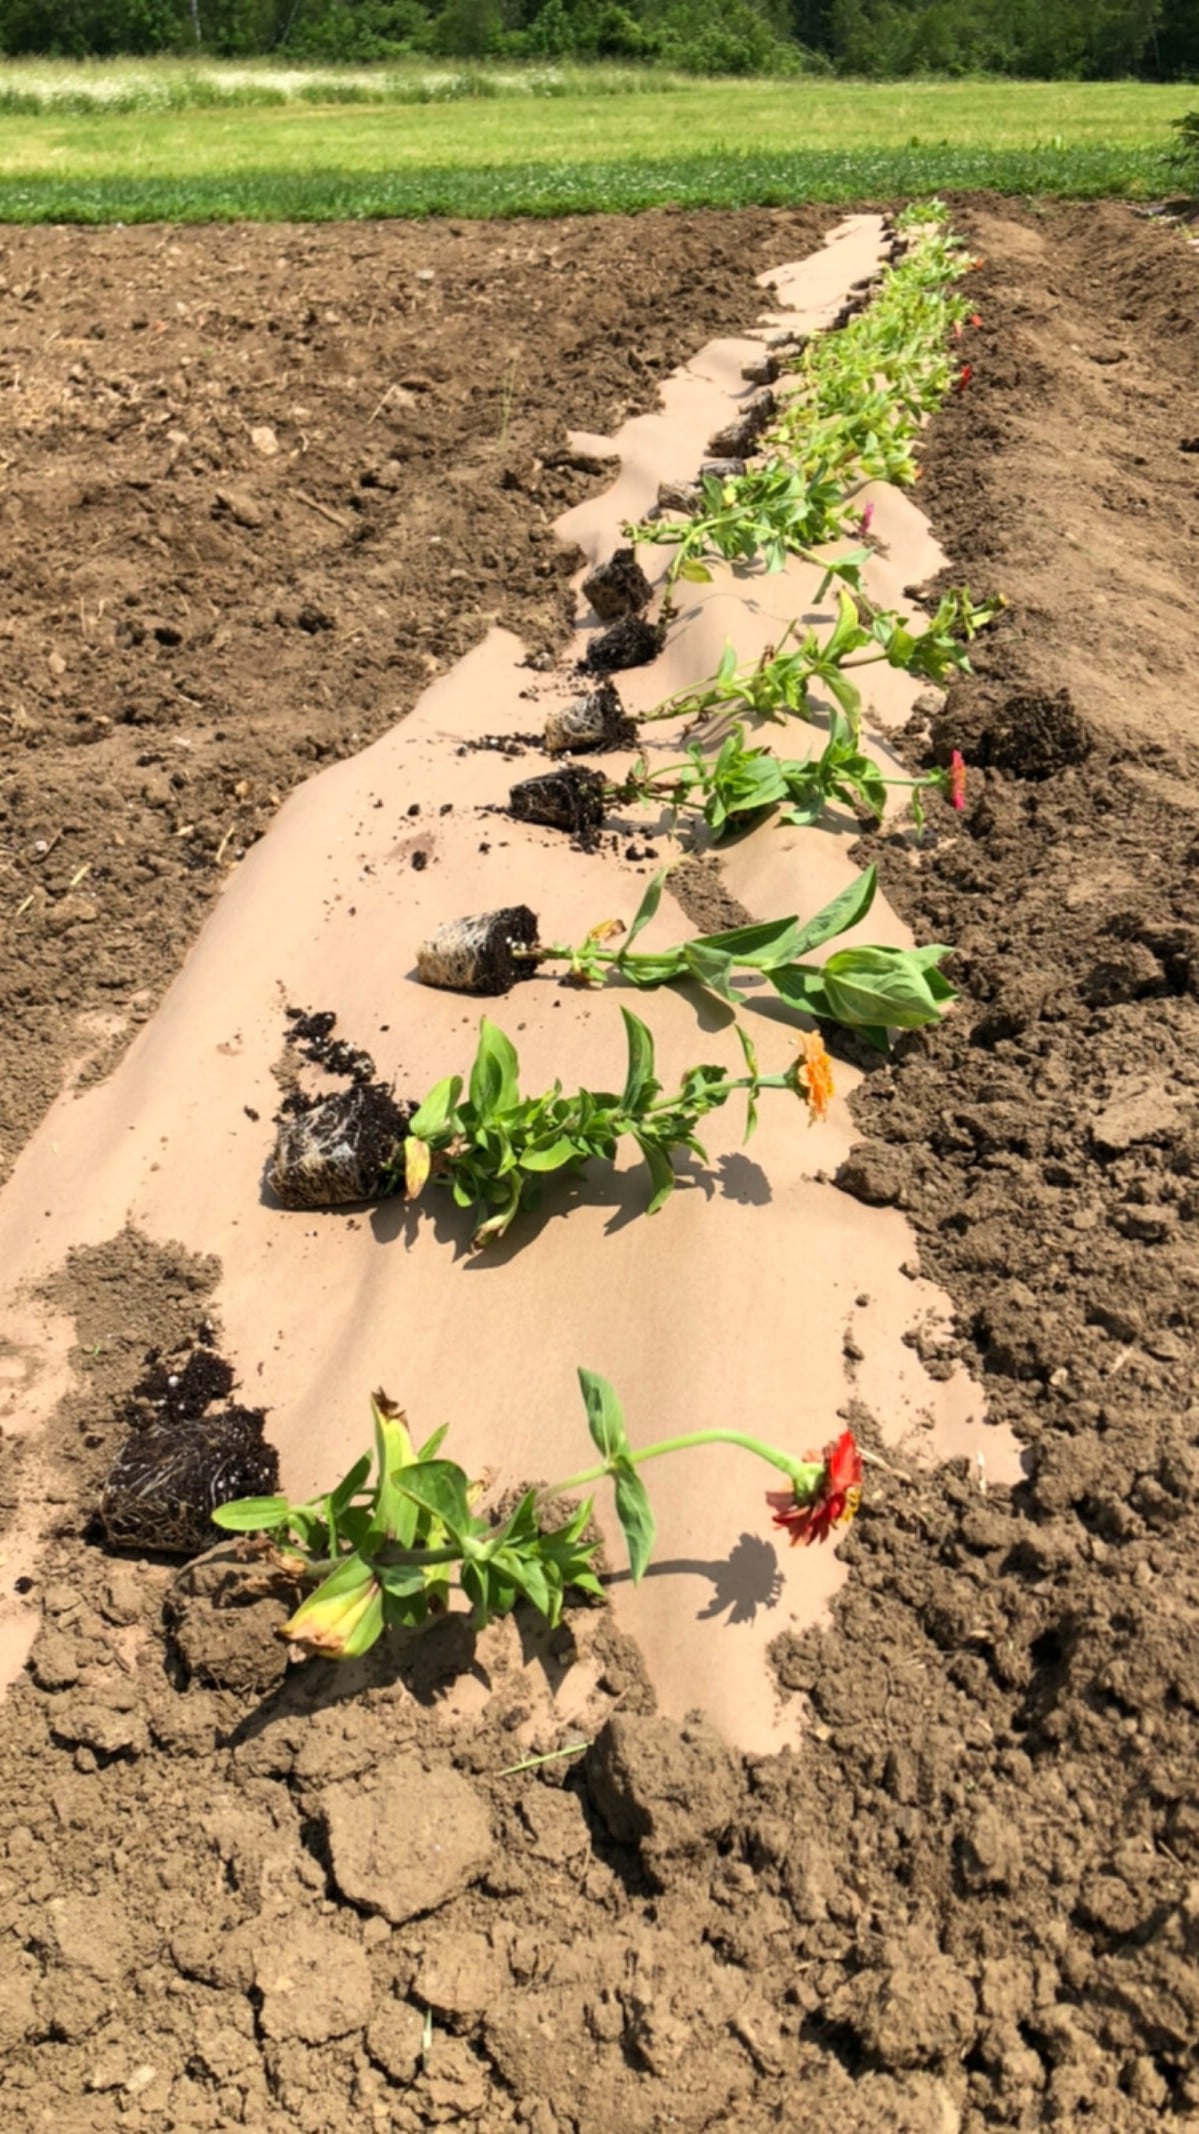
[831, 1501]
[963, 378]
[976, 318]
[957, 780]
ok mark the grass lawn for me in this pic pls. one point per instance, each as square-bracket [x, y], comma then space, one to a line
[137, 142]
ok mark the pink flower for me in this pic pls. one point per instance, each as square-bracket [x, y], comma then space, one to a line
[957, 780]
[865, 518]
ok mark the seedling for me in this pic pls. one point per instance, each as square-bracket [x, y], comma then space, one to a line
[386, 1547]
[870, 989]
[493, 1148]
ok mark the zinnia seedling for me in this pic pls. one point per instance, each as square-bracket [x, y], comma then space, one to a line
[387, 1545]
[868, 989]
[731, 790]
[778, 685]
[854, 414]
[494, 1148]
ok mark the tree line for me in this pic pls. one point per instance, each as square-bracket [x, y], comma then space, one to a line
[1038, 39]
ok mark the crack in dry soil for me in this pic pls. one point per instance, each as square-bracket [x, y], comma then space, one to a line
[969, 1900]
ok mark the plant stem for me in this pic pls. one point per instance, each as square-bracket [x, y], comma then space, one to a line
[784, 1461]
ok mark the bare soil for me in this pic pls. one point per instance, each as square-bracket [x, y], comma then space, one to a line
[235, 1894]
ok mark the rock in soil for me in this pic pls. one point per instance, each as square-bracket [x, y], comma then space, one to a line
[340, 1149]
[633, 642]
[169, 1477]
[571, 799]
[595, 721]
[476, 955]
[618, 587]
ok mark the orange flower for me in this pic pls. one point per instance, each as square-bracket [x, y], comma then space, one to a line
[831, 1501]
[814, 1073]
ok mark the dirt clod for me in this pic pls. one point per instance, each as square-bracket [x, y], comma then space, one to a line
[480, 954]
[573, 799]
[595, 721]
[407, 1843]
[618, 587]
[632, 642]
[341, 1150]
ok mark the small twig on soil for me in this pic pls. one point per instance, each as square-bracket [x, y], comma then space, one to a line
[531, 1763]
[21, 908]
[49, 847]
[80, 875]
[334, 517]
[386, 401]
[220, 850]
[872, 1460]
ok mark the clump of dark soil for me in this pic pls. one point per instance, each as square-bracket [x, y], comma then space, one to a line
[618, 587]
[340, 1150]
[699, 886]
[1029, 734]
[632, 642]
[739, 437]
[573, 799]
[167, 1480]
[480, 954]
[311, 1034]
[188, 1449]
[588, 723]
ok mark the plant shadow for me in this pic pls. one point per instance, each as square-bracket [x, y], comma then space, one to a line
[748, 1579]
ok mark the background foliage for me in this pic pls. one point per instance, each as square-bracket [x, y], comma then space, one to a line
[1043, 39]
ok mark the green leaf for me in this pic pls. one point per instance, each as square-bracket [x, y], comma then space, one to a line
[879, 985]
[636, 1519]
[645, 911]
[838, 916]
[756, 947]
[801, 987]
[434, 1113]
[494, 1078]
[605, 1416]
[527, 1575]
[253, 1515]
[661, 1170]
[697, 572]
[440, 1487]
[848, 696]
[713, 969]
[348, 1488]
[553, 1157]
[639, 1079]
[848, 633]
[400, 1579]
[748, 1048]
